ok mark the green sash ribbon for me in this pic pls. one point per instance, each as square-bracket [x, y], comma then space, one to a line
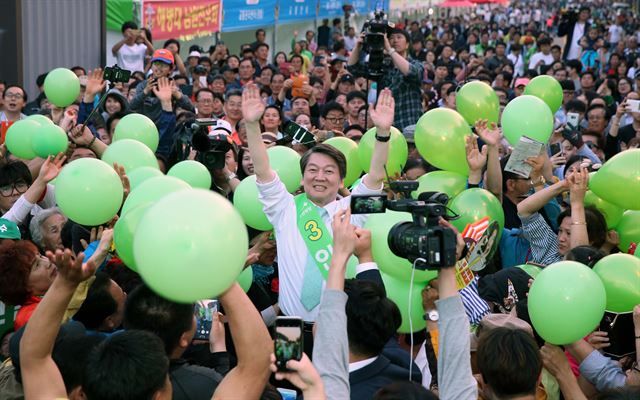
[315, 234]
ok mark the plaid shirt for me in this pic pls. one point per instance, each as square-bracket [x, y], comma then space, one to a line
[407, 93]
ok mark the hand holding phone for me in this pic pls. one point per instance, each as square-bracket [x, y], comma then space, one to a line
[204, 311]
[288, 341]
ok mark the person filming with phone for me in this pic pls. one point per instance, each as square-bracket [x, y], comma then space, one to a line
[301, 222]
[134, 46]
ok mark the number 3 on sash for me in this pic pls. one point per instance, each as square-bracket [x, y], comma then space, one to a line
[312, 227]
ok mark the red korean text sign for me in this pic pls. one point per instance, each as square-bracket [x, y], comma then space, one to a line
[182, 19]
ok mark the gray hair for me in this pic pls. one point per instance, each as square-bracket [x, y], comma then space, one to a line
[35, 227]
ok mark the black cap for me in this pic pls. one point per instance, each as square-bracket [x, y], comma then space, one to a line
[347, 78]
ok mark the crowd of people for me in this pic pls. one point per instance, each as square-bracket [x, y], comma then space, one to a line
[87, 326]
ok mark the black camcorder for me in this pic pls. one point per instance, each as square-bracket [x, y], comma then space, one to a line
[422, 241]
[211, 148]
[116, 74]
[375, 66]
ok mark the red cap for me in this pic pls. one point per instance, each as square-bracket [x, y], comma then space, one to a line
[163, 55]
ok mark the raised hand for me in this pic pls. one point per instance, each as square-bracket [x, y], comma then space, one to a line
[302, 374]
[252, 105]
[51, 167]
[537, 163]
[363, 245]
[95, 83]
[163, 90]
[490, 134]
[344, 234]
[80, 136]
[126, 185]
[383, 113]
[475, 158]
[554, 359]
[72, 270]
[578, 184]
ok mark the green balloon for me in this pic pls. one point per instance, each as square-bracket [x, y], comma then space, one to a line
[286, 163]
[88, 191]
[152, 190]
[398, 291]
[618, 180]
[131, 154]
[49, 141]
[62, 87]
[529, 116]
[192, 172]
[398, 151]
[245, 199]
[141, 174]
[440, 139]
[620, 274]
[532, 270]
[19, 138]
[629, 229]
[40, 119]
[447, 182]
[547, 89]
[245, 279]
[477, 100]
[137, 127]
[350, 150]
[475, 204]
[123, 234]
[566, 302]
[612, 213]
[389, 263]
[190, 245]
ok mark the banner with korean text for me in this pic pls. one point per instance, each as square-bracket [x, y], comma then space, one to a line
[183, 20]
[240, 15]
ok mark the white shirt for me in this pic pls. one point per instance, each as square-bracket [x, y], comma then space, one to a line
[578, 33]
[354, 366]
[615, 32]
[280, 208]
[350, 42]
[22, 207]
[533, 62]
[132, 57]
[518, 63]
[422, 362]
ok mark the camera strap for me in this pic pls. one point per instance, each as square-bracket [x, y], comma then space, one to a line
[315, 233]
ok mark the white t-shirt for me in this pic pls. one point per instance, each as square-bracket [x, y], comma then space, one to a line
[578, 33]
[518, 63]
[615, 32]
[533, 62]
[350, 42]
[132, 57]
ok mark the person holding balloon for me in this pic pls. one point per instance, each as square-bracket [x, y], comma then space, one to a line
[579, 225]
[323, 169]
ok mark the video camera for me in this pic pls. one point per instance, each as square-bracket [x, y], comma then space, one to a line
[211, 148]
[377, 64]
[116, 74]
[422, 241]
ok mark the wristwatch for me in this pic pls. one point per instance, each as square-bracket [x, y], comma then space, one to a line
[383, 138]
[231, 176]
[431, 315]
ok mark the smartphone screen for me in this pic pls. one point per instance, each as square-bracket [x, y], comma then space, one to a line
[555, 148]
[573, 119]
[288, 341]
[204, 311]
[634, 105]
[365, 204]
[298, 133]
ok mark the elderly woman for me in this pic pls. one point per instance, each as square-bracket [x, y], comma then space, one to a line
[46, 227]
[26, 275]
[20, 195]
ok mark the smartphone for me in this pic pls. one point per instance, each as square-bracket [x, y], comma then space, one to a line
[288, 341]
[366, 204]
[555, 148]
[298, 82]
[204, 311]
[203, 81]
[187, 90]
[287, 394]
[298, 134]
[317, 61]
[633, 106]
[573, 119]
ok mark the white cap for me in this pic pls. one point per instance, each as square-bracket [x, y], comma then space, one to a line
[194, 54]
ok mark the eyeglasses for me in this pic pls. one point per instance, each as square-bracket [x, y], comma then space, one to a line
[205, 101]
[14, 96]
[20, 187]
[335, 120]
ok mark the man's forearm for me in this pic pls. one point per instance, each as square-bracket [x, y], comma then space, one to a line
[401, 63]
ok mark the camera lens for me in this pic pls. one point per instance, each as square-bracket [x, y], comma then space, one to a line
[401, 240]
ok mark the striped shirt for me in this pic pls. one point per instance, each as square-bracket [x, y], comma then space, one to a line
[542, 239]
[474, 306]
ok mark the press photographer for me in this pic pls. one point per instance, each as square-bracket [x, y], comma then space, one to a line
[403, 75]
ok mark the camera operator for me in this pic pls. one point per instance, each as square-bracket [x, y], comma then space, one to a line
[574, 28]
[404, 79]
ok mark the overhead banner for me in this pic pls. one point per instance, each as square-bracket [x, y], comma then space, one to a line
[330, 8]
[296, 10]
[183, 20]
[240, 15]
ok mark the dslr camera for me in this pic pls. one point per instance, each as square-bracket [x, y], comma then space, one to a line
[211, 148]
[373, 46]
[422, 241]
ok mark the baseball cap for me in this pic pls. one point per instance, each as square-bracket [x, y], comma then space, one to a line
[9, 230]
[163, 55]
[221, 127]
[521, 82]
[194, 54]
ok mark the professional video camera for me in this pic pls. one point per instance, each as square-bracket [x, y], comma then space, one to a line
[422, 241]
[211, 148]
[377, 64]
